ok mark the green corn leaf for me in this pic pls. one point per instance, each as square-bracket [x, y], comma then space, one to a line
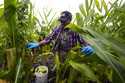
[98, 5]
[10, 16]
[82, 10]
[79, 20]
[49, 12]
[4, 73]
[18, 70]
[1, 12]
[105, 6]
[84, 69]
[106, 40]
[115, 78]
[45, 17]
[107, 56]
[58, 69]
[91, 1]
[87, 6]
[75, 28]
[57, 62]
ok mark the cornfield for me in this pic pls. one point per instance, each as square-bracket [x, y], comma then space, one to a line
[103, 26]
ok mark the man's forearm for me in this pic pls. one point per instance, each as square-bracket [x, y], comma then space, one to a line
[43, 42]
[85, 43]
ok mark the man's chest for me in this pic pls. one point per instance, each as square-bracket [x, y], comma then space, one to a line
[65, 36]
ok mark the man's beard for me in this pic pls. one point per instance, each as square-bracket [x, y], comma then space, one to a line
[63, 20]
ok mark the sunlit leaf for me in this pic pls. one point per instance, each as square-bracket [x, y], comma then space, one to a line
[82, 10]
[79, 19]
[75, 28]
[91, 1]
[87, 6]
[105, 6]
[18, 70]
[98, 5]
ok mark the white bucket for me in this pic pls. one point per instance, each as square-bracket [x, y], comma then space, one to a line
[41, 74]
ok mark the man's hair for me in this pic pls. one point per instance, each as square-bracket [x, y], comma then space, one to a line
[68, 14]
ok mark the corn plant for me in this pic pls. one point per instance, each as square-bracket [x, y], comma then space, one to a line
[104, 33]
[15, 20]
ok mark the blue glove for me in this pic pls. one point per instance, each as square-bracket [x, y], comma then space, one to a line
[33, 45]
[87, 50]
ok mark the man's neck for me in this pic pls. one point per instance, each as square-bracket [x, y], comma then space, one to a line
[62, 25]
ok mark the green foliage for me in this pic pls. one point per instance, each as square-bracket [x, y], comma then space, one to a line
[83, 68]
[104, 33]
[18, 71]
[103, 28]
[17, 24]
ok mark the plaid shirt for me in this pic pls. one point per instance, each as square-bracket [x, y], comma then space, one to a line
[66, 40]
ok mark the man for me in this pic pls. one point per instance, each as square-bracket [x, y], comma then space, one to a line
[64, 38]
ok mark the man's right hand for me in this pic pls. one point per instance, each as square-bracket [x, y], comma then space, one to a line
[87, 50]
[33, 45]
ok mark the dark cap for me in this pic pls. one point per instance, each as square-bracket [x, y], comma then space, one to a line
[67, 14]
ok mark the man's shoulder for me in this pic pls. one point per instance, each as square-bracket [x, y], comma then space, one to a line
[56, 28]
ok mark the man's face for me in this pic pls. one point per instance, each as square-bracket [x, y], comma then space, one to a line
[64, 18]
